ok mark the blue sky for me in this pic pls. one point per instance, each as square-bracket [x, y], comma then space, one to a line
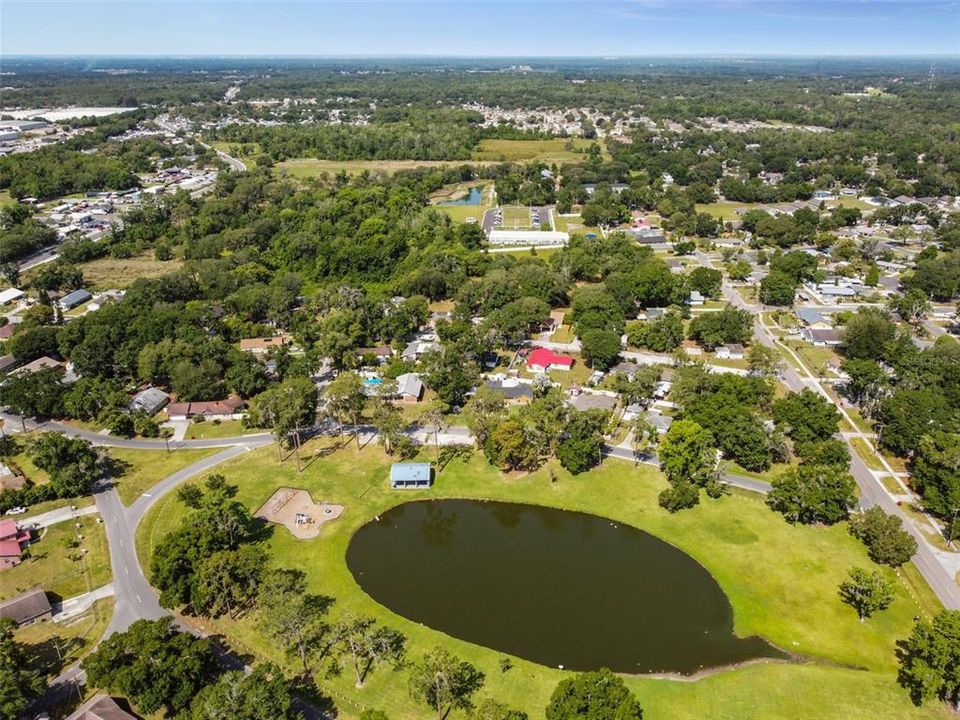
[480, 27]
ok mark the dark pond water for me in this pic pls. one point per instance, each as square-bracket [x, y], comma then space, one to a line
[551, 586]
[471, 198]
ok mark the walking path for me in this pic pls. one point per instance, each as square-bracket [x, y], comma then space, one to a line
[71, 607]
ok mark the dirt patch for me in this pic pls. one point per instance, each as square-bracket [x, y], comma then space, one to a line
[296, 510]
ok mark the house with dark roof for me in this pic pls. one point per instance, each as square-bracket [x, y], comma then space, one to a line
[101, 707]
[512, 389]
[28, 607]
[821, 338]
[210, 409]
[150, 401]
[813, 319]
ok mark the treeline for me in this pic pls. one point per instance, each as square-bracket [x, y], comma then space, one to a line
[55, 171]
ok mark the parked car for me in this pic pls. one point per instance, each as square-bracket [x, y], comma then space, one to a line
[16, 511]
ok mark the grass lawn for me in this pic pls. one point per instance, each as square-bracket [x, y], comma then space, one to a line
[49, 566]
[515, 216]
[222, 429]
[563, 334]
[869, 457]
[142, 469]
[55, 646]
[722, 210]
[5, 198]
[552, 150]
[781, 579]
[460, 213]
[107, 273]
[243, 150]
[573, 225]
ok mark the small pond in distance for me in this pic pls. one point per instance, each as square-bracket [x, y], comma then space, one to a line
[552, 586]
[472, 198]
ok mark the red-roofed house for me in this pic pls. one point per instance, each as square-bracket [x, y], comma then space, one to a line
[542, 359]
[12, 541]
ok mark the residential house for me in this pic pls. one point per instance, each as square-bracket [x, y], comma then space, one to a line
[696, 298]
[41, 363]
[26, 608]
[6, 331]
[405, 476]
[625, 368]
[227, 409]
[6, 362]
[11, 295]
[150, 401]
[582, 400]
[514, 390]
[542, 359]
[382, 353]
[662, 423]
[733, 351]
[409, 387]
[101, 707]
[12, 542]
[417, 348]
[73, 299]
[813, 319]
[821, 338]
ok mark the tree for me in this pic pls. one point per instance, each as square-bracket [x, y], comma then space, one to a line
[38, 394]
[866, 592]
[154, 665]
[491, 709]
[227, 581]
[912, 306]
[264, 694]
[778, 288]
[908, 415]
[866, 384]
[293, 618]
[936, 473]
[806, 416]
[580, 449]
[444, 682]
[508, 448]
[597, 695]
[866, 335]
[729, 325]
[679, 496]
[661, 335]
[19, 683]
[739, 270]
[886, 540]
[600, 348]
[484, 412]
[72, 463]
[763, 361]
[368, 645]
[930, 660]
[287, 408]
[345, 401]
[389, 422]
[687, 453]
[706, 281]
[813, 494]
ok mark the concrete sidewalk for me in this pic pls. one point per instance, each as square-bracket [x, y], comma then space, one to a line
[56, 516]
[74, 606]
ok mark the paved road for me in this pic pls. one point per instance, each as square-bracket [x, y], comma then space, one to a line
[621, 453]
[55, 516]
[938, 568]
[12, 423]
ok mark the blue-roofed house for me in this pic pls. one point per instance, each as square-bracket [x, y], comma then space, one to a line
[405, 476]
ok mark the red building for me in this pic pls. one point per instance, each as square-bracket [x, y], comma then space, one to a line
[12, 542]
[541, 360]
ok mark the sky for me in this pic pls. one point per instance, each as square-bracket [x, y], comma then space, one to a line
[479, 27]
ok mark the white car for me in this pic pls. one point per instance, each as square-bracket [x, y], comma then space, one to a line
[16, 511]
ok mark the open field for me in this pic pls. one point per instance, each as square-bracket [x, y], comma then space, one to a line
[516, 216]
[303, 168]
[781, 581]
[5, 198]
[56, 646]
[108, 273]
[722, 210]
[553, 150]
[141, 469]
[49, 565]
[222, 429]
[238, 150]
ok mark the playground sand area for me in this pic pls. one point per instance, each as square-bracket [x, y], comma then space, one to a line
[296, 510]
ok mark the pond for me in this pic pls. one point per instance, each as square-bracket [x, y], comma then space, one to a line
[471, 198]
[556, 587]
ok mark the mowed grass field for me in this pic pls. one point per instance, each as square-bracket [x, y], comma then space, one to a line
[49, 566]
[781, 580]
[108, 273]
[552, 150]
[305, 168]
[139, 470]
